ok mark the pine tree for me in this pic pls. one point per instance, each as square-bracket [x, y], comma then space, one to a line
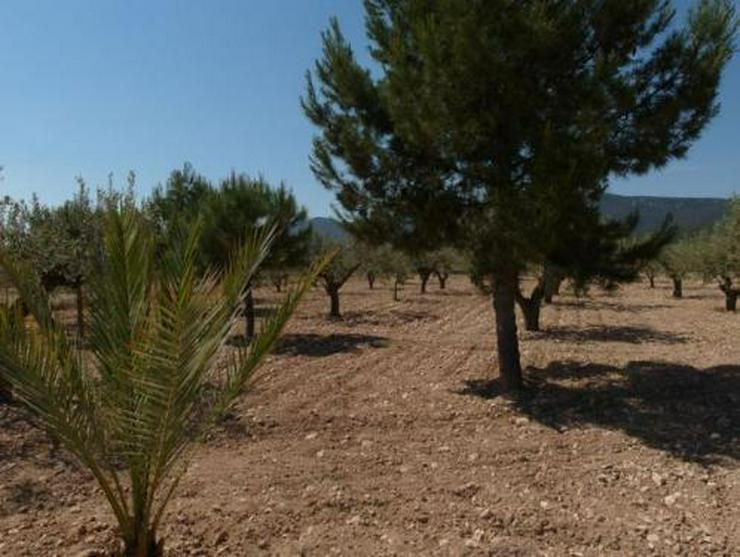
[486, 116]
[229, 212]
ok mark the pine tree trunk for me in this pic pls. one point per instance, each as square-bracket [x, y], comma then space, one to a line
[677, 287]
[80, 311]
[249, 316]
[371, 280]
[334, 309]
[507, 342]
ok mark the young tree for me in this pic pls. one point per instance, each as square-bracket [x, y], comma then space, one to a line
[387, 263]
[651, 271]
[424, 265]
[446, 261]
[157, 380]
[722, 254]
[334, 275]
[484, 115]
[679, 260]
[373, 262]
[61, 243]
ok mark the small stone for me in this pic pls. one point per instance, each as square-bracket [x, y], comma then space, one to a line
[89, 553]
[312, 435]
[670, 500]
[658, 479]
[486, 513]
[222, 537]
[653, 538]
[521, 421]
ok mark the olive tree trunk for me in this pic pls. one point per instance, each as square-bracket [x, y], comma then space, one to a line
[677, 287]
[531, 306]
[371, 280]
[424, 275]
[442, 276]
[731, 294]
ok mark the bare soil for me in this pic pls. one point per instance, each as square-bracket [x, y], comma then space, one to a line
[383, 434]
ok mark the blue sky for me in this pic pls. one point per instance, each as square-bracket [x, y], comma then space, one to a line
[89, 87]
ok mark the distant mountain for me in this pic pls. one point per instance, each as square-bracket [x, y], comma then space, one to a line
[689, 213]
[329, 228]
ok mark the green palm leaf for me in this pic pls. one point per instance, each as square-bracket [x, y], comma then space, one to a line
[158, 327]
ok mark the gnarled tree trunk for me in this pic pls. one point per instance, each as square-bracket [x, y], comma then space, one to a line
[507, 342]
[442, 276]
[531, 306]
[371, 279]
[731, 293]
[677, 287]
[424, 275]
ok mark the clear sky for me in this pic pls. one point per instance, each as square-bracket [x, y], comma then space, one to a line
[89, 87]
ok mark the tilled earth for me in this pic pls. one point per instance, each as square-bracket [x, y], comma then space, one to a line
[383, 434]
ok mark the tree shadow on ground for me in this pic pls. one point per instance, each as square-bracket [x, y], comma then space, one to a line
[320, 345]
[595, 305]
[390, 317]
[691, 413]
[609, 333]
[23, 494]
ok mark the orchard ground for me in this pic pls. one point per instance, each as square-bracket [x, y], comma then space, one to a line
[382, 434]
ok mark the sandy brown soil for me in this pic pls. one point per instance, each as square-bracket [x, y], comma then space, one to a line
[382, 435]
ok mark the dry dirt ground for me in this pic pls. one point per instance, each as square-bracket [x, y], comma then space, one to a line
[381, 434]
